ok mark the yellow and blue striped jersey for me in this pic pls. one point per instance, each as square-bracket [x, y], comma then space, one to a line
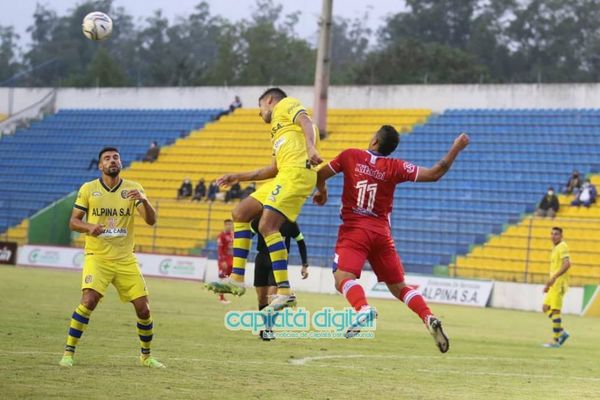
[111, 208]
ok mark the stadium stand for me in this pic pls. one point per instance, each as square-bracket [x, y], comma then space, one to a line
[521, 253]
[50, 159]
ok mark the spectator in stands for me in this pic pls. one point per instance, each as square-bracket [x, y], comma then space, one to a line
[251, 188]
[185, 190]
[152, 152]
[236, 103]
[213, 189]
[574, 183]
[586, 196]
[234, 193]
[199, 190]
[549, 205]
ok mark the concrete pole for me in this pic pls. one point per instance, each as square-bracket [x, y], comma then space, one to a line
[323, 67]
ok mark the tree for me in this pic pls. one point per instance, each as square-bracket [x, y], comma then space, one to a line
[411, 61]
[350, 40]
[9, 53]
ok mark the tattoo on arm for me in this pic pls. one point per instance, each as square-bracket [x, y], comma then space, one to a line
[443, 165]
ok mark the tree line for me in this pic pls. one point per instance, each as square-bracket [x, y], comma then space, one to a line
[428, 41]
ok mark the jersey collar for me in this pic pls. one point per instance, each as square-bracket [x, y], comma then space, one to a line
[374, 153]
[109, 189]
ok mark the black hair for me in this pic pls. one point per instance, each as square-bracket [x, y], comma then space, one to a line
[275, 92]
[556, 228]
[104, 150]
[388, 139]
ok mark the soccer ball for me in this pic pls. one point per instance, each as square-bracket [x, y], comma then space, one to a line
[97, 26]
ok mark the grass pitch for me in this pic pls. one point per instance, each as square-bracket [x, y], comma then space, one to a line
[494, 354]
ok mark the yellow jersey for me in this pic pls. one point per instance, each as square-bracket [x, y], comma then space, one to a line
[559, 253]
[111, 208]
[287, 137]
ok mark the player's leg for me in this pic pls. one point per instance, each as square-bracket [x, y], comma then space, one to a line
[244, 212]
[351, 252]
[145, 330]
[288, 194]
[263, 283]
[552, 308]
[269, 226]
[388, 267]
[94, 281]
[131, 286]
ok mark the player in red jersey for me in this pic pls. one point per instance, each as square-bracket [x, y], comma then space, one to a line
[370, 178]
[225, 253]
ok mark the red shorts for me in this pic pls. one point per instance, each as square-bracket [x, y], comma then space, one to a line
[225, 272]
[356, 245]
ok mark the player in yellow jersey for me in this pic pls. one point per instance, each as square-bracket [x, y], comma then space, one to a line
[294, 143]
[557, 287]
[109, 205]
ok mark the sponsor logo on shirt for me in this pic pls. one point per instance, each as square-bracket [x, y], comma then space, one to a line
[372, 172]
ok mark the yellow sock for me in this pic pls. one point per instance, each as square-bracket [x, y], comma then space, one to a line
[279, 259]
[242, 240]
[79, 321]
[145, 332]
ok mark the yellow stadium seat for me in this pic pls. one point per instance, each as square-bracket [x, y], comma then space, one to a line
[522, 252]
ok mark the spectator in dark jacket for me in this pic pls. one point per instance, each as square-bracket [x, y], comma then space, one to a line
[152, 152]
[199, 191]
[213, 189]
[574, 183]
[549, 204]
[185, 190]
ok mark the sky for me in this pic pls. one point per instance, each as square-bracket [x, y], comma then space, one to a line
[21, 11]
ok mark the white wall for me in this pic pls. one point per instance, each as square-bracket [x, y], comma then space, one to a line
[436, 97]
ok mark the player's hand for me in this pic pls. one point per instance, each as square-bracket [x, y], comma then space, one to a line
[313, 156]
[304, 271]
[320, 197]
[95, 230]
[227, 180]
[461, 141]
[136, 195]
[549, 284]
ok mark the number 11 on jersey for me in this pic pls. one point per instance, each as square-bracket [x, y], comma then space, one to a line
[363, 188]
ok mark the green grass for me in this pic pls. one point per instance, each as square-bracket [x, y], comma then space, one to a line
[494, 354]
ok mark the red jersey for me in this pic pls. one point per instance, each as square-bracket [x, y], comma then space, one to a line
[369, 183]
[225, 246]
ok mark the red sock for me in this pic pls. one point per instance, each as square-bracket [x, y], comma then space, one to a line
[354, 293]
[415, 302]
[222, 297]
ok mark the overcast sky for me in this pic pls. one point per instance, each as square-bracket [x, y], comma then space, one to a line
[21, 11]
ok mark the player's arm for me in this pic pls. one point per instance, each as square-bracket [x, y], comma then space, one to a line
[441, 167]
[145, 209]
[260, 174]
[566, 264]
[320, 196]
[304, 121]
[77, 224]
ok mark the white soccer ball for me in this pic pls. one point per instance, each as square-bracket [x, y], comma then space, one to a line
[97, 26]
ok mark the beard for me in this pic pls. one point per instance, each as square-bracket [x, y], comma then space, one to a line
[113, 171]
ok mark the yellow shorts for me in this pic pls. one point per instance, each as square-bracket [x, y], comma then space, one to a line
[288, 191]
[555, 295]
[125, 275]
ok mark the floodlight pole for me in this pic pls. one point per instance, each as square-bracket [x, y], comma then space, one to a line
[323, 67]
